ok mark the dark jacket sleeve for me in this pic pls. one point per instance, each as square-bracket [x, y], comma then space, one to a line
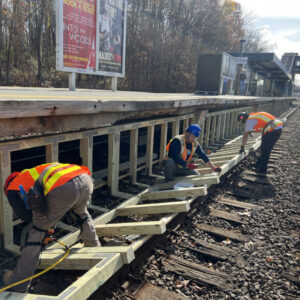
[18, 205]
[174, 152]
[202, 154]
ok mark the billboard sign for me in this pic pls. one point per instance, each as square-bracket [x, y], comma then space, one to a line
[91, 36]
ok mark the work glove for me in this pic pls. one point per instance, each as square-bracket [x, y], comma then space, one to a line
[191, 166]
[217, 169]
[242, 150]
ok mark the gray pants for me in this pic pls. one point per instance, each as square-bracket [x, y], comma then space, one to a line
[73, 195]
[171, 169]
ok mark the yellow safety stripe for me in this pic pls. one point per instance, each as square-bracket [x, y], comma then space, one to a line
[34, 173]
[56, 176]
[261, 117]
[51, 170]
[276, 123]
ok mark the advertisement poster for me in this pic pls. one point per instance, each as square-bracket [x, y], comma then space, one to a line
[91, 36]
[79, 34]
[111, 35]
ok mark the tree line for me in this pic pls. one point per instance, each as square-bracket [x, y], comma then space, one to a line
[164, 39]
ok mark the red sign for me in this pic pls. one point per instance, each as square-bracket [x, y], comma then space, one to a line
[79, 34]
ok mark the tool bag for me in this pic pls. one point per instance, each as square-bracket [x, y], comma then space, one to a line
[36, 195]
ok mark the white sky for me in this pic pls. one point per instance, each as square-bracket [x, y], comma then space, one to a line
[279, 22]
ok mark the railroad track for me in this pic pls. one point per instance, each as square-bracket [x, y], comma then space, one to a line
[156, 207]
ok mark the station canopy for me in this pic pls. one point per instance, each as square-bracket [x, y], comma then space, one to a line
[266, 63]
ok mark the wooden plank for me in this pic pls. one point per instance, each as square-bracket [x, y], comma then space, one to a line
[152, 227]
[194, 179]
[239, 204]
[214, 251]
[126, 252]
[223, 232]
[152, 292]
[226, 216]
[113, 162]
[133, 154]
[197, 272]
[175, 128]
[149, 149]
[213, 130]
[72, 261]
[86, 152]
[157, 208]
[163, 141]
[169, 194]
[207, 131]
[98, 208]
[92, 279]
[66, 227]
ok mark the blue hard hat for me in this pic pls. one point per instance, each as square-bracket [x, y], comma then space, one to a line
[194, 129]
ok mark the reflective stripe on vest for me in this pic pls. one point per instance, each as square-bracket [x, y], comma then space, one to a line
[183, 152]
[54, 177]
[263, 119]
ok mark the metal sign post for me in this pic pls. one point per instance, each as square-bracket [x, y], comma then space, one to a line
[72, 81]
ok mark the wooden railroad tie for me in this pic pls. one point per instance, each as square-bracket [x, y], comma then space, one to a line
[223, 232]
[197, 273]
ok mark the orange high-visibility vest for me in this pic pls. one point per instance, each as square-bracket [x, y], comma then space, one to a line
[264, 122]
[54, 177]
[183, 152]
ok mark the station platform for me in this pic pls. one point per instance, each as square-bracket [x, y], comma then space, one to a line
[53, 110]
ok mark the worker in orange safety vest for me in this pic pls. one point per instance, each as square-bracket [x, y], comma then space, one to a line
[41, 196]
[180, 151]
[271, 129]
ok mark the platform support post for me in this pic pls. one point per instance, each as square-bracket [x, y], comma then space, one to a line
[113, 162]
[133, 154]
[149, 151]
[6, 217]
[207, 131]
[163, 141]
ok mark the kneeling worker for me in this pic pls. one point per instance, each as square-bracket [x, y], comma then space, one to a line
[271, 129]
[181, 150]
[63, 187]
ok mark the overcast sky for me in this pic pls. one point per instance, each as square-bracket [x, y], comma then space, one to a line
[279, 22]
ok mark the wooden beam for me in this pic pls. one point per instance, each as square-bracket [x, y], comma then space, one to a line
[86, 152]
[157, 208]
[213, 130]
[226, 216]
[223, 232]
[93, 279]
[163, 141]
[169, 194]
[240, 204]
[126, 252]
[197, 180]
[6, 220]
[151, 227]
[175, 128]
[71, 262]
[149, 149]
[133, 154]
[113, 161]
[207, 131]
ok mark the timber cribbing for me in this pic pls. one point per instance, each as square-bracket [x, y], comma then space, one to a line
[219, 127]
